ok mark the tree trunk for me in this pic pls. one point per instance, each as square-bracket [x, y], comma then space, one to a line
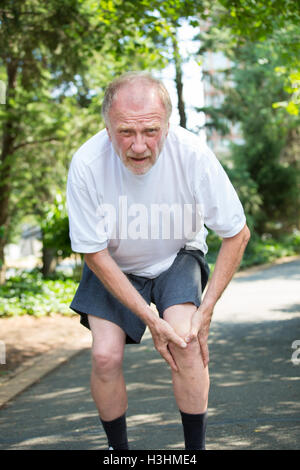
[2, 267]
[291, 155]
[9, 135]
[178, 82]
[49, 261]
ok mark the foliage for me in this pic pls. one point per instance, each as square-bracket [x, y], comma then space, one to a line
[29, 293]
[292, 86]
[265, 166]
[265, 139]
[259, 250]
[41, 47]
[55, 228]
[56, 59]
[268, 249]
[247, 190]
[274, 21]
[257, 20]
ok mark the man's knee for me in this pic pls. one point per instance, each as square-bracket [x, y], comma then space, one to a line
[188, 357]
[108, 347]
[179, 317]
[106, 362]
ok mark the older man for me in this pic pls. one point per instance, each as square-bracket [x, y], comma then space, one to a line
[139, 193]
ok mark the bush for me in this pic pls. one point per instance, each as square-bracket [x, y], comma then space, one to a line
[28, 293]
[266, 249]
[55, 228]
[260, 250]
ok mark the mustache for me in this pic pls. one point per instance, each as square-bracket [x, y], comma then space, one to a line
[139, 155]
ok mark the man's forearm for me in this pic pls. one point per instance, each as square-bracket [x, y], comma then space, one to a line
[109, 273]
[228, 260]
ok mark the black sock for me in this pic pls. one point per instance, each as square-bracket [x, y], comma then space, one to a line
[194, 428]
[116, 432]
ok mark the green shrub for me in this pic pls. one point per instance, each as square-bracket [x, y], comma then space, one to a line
[260, 250]
[267, 249]
[28, 293]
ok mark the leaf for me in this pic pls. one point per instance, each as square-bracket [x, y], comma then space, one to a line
[292, 108]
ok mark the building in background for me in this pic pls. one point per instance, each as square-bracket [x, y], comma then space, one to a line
[27, 253]
[214, 65]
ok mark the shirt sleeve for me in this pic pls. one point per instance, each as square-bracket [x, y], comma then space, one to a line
[86, 230]
[220, 205]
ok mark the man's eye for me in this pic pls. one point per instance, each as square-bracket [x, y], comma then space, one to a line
[125, 132]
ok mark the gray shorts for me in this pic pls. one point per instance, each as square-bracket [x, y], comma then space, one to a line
[183, 282]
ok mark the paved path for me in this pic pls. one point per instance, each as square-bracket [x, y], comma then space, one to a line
[255, 389]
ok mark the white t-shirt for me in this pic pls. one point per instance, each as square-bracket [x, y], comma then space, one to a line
[144, 220]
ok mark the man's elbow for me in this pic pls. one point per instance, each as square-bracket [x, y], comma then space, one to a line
[88, 257]
[241, 238]
[92, 259]
[246, 234]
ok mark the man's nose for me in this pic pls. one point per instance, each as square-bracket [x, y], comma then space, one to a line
[138, 145]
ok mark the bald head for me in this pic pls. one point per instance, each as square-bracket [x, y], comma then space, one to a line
[138, 86]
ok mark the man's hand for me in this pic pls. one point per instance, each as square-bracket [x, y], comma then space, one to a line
[228, 260]
[117, 283]
[163, 334]
[199, 330]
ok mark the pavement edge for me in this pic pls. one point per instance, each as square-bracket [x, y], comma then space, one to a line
[41, 366]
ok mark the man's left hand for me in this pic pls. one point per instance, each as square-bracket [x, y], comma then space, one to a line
[199, 329]
[228, 259]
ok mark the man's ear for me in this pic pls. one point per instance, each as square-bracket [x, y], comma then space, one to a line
[107, 130]
[168, 128]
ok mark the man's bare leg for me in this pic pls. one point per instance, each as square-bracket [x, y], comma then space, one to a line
[191, 382]
[107, 381]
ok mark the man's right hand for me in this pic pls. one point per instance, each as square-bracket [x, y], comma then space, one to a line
[163, 334]
[109, 273]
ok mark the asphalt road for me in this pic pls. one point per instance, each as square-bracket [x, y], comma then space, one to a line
[254, 394]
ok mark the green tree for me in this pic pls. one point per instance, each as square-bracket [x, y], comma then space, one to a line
[48, 53]
[266, 176]
[275, 21]
[32, 38]
[55, 234]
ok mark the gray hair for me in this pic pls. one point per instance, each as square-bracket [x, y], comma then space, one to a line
[130, 77]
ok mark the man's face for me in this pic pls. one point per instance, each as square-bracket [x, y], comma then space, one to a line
[137, 126]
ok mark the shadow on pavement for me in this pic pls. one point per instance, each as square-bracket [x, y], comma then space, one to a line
[289, 270]
[254, 398]
[254, 395]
